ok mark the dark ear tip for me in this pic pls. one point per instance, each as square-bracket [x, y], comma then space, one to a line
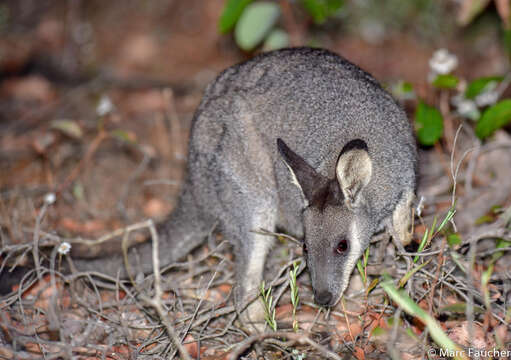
[355, 144]
[281, 145]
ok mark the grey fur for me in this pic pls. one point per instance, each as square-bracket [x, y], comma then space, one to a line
[316, 102]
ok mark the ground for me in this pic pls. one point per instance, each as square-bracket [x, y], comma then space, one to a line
[95, 107]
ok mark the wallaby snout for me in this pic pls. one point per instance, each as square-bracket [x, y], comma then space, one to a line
[323, 297]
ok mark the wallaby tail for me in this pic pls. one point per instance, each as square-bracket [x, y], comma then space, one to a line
[184, 230]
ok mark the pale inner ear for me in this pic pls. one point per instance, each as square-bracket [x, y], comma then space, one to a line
[354, 169]
[295, 182]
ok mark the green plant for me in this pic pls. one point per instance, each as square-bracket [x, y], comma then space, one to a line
[295, 298]
[409, 306]
[269, 310]
[429, 124]
[481, 95]
[362, 265]
[255, 22]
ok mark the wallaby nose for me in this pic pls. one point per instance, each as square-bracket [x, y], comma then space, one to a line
[323, 297]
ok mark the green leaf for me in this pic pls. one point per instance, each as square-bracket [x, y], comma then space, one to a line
[255, 23]
[320, 10]
[68, 127]
[124, 136]
[459, 308]
[378, 331]
[480, 85]
[454, 239]
[409, 274]
[501, 243]
[494, 118]
[372, 285]
[409, 306]
[277, 39]
[360, 269]
[446, 81]
[232, 12]
[78, 191]
[485, 219]
[429, 124]
[403, 90]
[407, 87]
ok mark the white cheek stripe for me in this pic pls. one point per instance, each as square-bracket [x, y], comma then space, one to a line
[353, 255]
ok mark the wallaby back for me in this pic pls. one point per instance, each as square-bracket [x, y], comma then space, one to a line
[321, 106]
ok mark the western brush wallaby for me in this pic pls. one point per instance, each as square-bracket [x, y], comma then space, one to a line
[299, 139]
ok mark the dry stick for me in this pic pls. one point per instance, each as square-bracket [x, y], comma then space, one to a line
[393, 337]
[454, 174]
[444, 108]
[35, 247]
[133, 176]
[155, 302]
[295, 338]
[183, 336]
[440, 264]
[175, 126]
[271, 233]
[53, 318]
[469, 173]
[348, 322]
[439, 151]
[93, 147]
[296, 30]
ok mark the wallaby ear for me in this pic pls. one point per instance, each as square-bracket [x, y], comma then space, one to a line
[354, 169]
[304, 175]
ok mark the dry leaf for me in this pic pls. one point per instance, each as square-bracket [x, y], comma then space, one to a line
[359, 353]
[155, 208]
[191, 346]
[29, 88]
[460, 335]
[68, 127]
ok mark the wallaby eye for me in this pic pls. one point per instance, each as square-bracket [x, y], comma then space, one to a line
[342, 247]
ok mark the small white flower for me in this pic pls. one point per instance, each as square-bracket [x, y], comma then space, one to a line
[468, 108]
[487, 98]
[420, 206]
[50, 198]
[105, 106]
[443, 62]
[64, 248]
[465, 107]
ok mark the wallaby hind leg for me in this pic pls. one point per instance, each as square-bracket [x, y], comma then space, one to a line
[252, 250]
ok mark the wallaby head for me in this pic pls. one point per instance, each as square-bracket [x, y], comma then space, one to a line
[336, 217]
